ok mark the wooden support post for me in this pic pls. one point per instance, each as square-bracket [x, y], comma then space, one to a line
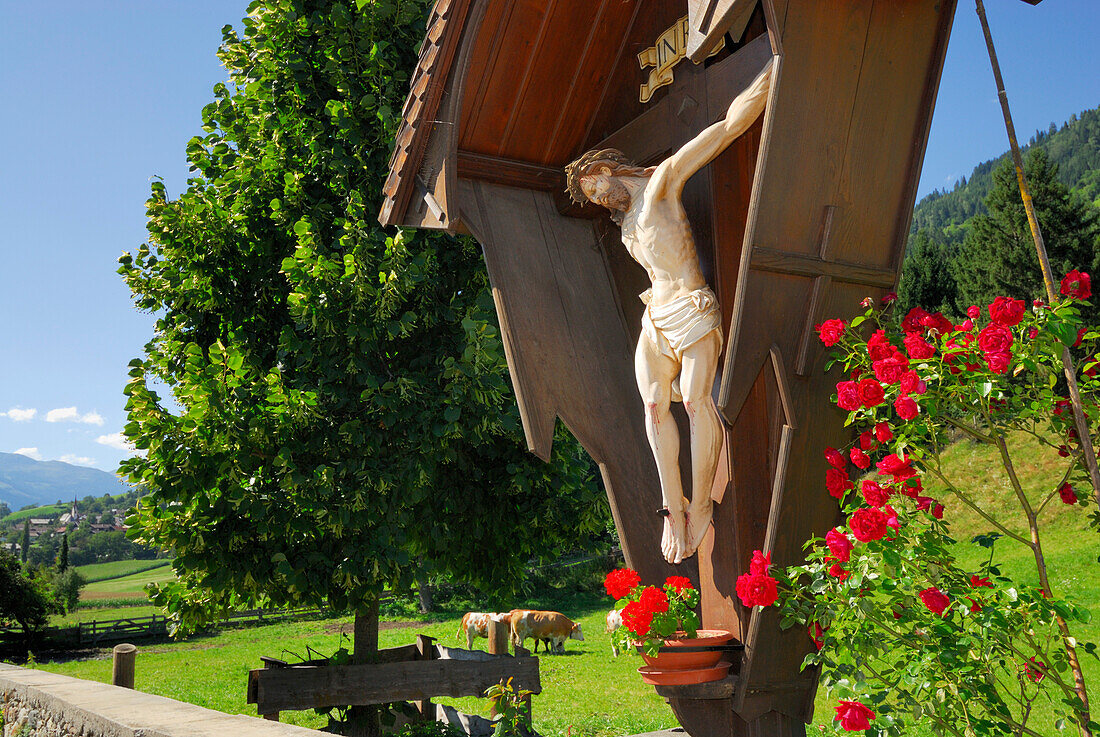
[425, 650]
[499, 634]
[272, 663]
[364, 721]
[122, 666]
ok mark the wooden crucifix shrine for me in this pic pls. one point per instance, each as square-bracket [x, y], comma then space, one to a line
[800, 218]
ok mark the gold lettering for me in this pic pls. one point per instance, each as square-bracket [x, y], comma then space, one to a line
[665, 53]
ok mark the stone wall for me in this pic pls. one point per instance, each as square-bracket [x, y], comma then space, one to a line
[40, 704]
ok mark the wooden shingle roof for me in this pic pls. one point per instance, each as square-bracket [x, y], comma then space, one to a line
[444, 29]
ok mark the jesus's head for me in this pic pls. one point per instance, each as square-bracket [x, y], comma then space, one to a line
[595, 177]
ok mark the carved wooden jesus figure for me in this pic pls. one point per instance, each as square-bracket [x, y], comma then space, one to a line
[677, 354]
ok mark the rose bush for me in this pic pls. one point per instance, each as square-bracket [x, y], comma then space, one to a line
[904, 633]
[652, 614]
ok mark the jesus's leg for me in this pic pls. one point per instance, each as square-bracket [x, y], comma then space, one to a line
[697, 383]
[655, 372]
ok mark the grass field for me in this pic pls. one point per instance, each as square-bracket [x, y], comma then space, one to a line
[117, 569]
[129, 586]
[48, 511]
[586, 692]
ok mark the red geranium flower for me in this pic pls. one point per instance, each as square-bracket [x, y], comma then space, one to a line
[679, 583]
[847, 395]
[637, 618]
[854, 716]
[830, 331]
[868, 524]
[934, 600]
[1006, 311]
[621, 582]
[1076, 284]
[654, 599]
[870, 393]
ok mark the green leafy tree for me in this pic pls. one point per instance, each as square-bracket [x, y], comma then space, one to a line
[23, 601]
[340, 404]
[997, 256]
[926, 279]
[66, 589]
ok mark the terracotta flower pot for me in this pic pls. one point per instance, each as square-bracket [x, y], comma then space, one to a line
[680, 654]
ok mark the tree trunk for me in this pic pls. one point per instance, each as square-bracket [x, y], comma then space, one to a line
[424, 594]
[364, 721]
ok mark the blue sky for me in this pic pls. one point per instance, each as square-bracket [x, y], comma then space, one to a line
[100, 97]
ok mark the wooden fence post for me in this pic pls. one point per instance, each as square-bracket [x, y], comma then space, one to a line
[122, 665]
[425, 650]
[499, 634]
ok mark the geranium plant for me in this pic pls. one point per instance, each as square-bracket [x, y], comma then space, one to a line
[905, 634]
[652, 614]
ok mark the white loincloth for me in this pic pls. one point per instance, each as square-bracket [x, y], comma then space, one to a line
[677, 325]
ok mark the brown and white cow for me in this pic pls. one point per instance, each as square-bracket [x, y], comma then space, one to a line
[614, 621]
[552, 628]
[476, 624]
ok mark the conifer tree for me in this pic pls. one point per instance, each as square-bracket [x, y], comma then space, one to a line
[997, 257]
[926, 278]
[63, 556]
[26, 543]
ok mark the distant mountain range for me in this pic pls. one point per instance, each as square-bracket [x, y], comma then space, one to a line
[26, 481]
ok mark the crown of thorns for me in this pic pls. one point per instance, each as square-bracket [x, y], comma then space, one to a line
[582, 166]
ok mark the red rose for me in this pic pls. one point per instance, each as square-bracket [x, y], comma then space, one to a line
[995, 338]
[966, 326]
[756, 590]
[906, 408]
[868, 524]
[835, 458]
[866, 441]
[847, 395]
[874, 494]
[840, 545]
[859, 458]
[937, 323]
[830, 331]
[621, 582]
[973, 311]
[654, 599]
[760, 563]
[937, 510]
[911, 384]
[1035, 670]
[976, 582]
[854, 716]
[883, 433]
[1006, 311]
[1068, 493]
[889, 298]
[1080, 337]
[837, 571]
[892, 518]
[896, 466]
[878, 347]
[679, 583]
[998, 362]
[924, 503]
[917, 347]
[837, 482]
[890, 369]
[1076, 284]
[934, 600]
[637, 618]
[912, 321]
[817, 634]
[871, 393]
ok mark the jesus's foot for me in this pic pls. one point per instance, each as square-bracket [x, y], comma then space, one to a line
[699, 517]
[674, 539]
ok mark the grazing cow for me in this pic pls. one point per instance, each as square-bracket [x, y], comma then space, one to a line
[552, 628]
[614, 621]
[474, 624]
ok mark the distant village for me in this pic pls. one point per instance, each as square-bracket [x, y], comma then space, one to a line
[95, 528]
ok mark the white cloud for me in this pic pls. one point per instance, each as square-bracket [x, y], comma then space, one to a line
[70, 414]
[15, 414]
[77, 460]
[30, 453]
[115, 440]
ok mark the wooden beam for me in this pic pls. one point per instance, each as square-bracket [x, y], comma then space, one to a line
[783, 262]
[281, 689]
[509, 172]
